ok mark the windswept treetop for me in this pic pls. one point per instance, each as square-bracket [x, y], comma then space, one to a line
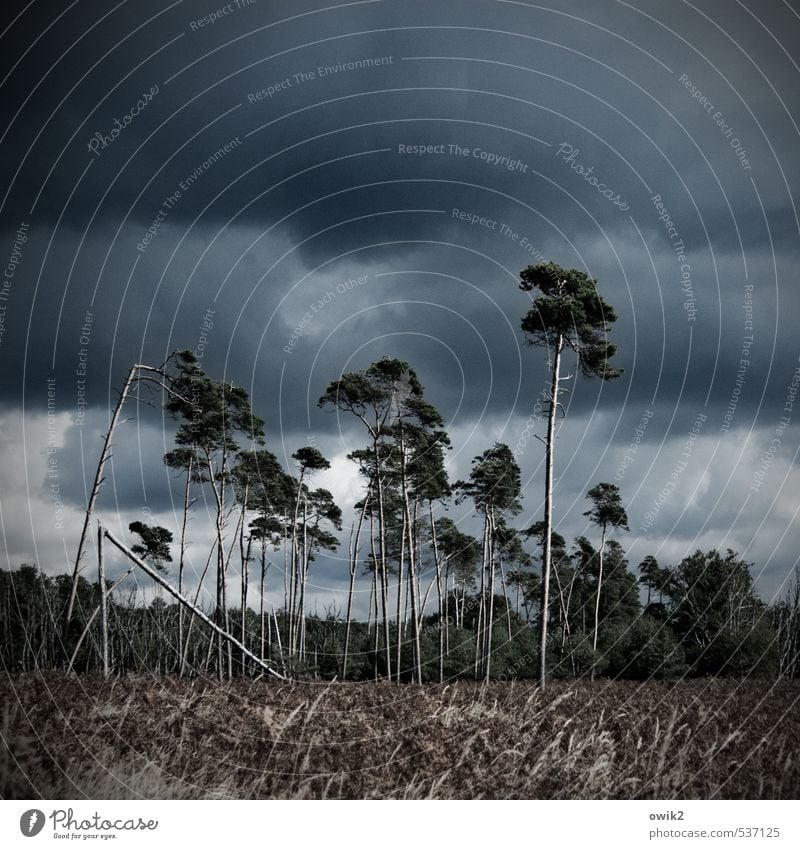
[310, 459]
[154, 545]
[259, 474]
[212, 411]
[607, 506]
[387, 389]
[495, 481]
[570, 313]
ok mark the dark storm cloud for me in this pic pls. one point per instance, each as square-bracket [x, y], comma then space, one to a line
[244, 194]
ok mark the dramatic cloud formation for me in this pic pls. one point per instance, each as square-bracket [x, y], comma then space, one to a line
[296, 192]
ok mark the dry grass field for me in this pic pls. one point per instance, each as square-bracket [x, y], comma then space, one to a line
[164, 738]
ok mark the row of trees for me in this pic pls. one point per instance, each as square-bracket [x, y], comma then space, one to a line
[708, 621]
[490, 593]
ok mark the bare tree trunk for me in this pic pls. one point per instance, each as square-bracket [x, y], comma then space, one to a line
[244, 553]
[278, 638]
[220, 602]
[412, 580]
[98, 482]
[375, 566]
[101, 580]
[181, 562]
[479, 625]
[504, 585]
[401, 612]
[548, 511]
[597, 601]
[564, 607]
[301, 619]
[447, 608]
[244, 558]
[90, 621]
[354, 548]
[490, 616]
[191, 619]
[263, 580]
[383, 563]
[442, 600]
[294, 577]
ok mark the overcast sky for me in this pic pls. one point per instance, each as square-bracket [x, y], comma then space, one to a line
[326, 184]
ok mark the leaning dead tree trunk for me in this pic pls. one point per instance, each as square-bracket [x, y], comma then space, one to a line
[184, 601]
[134, 375]
[98, 482]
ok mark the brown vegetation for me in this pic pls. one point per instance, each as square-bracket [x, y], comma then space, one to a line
[139, 736]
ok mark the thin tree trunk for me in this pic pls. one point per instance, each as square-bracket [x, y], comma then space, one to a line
[278, 638]
[383, 563]
[244, 557]
[506, 599]
[182, 560]
[101, 580]
[548, 511]
[442, 600]
[263, 580]
[401, 612]
[354, 547]
[412, 580]
[375, 567]
[244, 554]
[479, 635]
[490, 615]
[191, 618]
[98, 482]
[90, 621]
[219, 613]
[597, 601]
[295, 573]
[562, 605]
[447, 607]
[301, 623]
